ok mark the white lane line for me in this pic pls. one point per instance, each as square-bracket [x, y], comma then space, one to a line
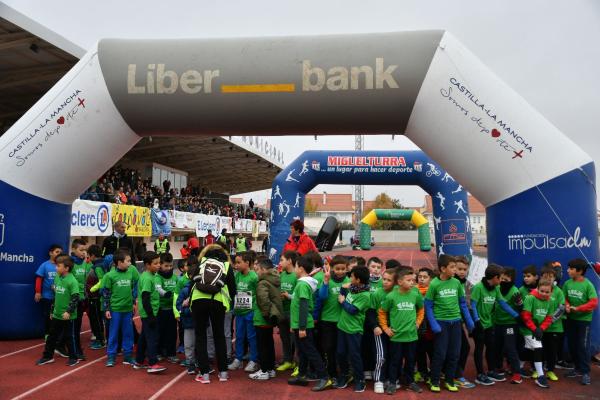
[167, 386]
[51, 381]
[41, 344]
[411, 258]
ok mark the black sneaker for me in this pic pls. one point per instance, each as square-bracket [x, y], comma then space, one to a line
[298, 381]
[482, 379]
[44, 360]
[312, 377]
[322, 385]
[496, 376]
[573, 374]
[81, 357]
[61, 352]
[359, 386]
[542, 382]
[341, 383]
[72, 362]
[413, 387]
[391, 389]
[564, 365]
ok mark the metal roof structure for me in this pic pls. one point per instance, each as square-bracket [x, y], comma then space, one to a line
[30, 66]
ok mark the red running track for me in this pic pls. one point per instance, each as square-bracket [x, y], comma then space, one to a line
[21, 378]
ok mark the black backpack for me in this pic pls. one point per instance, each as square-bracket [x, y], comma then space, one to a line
[211, 276]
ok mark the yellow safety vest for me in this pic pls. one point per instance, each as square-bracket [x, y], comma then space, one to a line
[240, 245]
[161, 247]
[223, 296]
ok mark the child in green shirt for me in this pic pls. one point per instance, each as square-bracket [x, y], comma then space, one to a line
[355, 300]
[120, 285]
[398, 318]
[302, 323]
[382, 341]
[552, 341]
[485, 295]
[66, 298]
[245, 282]
[444, 303]
[166, 284]
[537, 317]
[80, 272]
[150, 303]
[368, 347]
[506, 328]
[335, 276]
[581, 300]
[288, 283]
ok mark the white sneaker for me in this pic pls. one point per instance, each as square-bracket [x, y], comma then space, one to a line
[379, 387]
[223, 376]
[368, 375]
[272, 373]
[236, 364]
[251, 367]
[259, 376]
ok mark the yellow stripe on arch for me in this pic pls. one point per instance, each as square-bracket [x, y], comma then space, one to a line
[418, 219]
[262, 88]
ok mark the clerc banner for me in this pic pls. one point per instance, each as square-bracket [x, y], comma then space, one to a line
[91, 218]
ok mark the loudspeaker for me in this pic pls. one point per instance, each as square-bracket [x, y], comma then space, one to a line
[328, 234]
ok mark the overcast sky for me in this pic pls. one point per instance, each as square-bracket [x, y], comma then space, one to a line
[548, 51]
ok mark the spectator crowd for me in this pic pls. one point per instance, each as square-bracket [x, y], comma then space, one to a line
[127, 186]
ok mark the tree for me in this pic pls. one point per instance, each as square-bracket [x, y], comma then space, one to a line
[309, 206]
[384, 201]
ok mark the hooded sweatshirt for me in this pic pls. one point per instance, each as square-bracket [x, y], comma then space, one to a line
[268, 306]
[302, 304]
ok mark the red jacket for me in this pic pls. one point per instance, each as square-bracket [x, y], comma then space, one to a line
[301, 244]
[209, 239]
[193, 243]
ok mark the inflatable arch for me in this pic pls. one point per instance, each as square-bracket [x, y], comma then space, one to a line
[450, 204]
[415, 217]
[537, 185]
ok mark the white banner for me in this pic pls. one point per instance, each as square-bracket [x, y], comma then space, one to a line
[182, 220]
[91, 218]
[213, 222]
[263, 227]
[477, 269]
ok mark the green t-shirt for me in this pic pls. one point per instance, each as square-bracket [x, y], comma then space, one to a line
[378, 296]
[168, 285]
[524, 290]
[64, 288]
[302, 290]
[80, 272]
[445, 296]
[557, 298]
[539, 310]
[331, 308]
[501, 317]
[486, 302]
[578, 293]
[374, 285]
[121, 286]
[288, 283]
[246, 292]
[182, 282]
[355, 323]
[402, 314]
[147, 284]
[319, 276]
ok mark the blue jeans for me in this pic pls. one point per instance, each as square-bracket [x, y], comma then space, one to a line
[348, 347]
[579, 339]
[244, 330]
[446, 348]
[120, 322]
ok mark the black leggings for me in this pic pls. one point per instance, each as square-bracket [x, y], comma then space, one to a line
[266, 348]
[203, 311]
[328, 345]
[483, 338]
[505, 344]
[552, 342]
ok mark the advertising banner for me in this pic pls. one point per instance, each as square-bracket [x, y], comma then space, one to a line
[91, 218]
[137, 219]
[160, 222]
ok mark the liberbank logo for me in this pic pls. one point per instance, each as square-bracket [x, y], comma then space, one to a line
[540, 241]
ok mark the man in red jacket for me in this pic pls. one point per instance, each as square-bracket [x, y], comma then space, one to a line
[299, 241]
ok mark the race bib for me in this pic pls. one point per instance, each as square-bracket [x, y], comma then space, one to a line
[243, 301]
